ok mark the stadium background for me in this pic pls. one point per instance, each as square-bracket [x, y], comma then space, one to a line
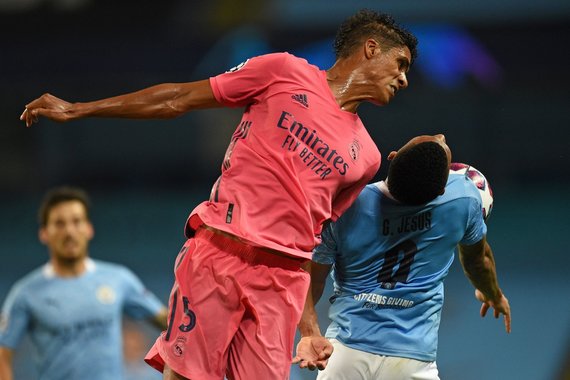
[493, 77]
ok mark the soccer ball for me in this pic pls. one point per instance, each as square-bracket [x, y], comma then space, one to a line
[480, 181]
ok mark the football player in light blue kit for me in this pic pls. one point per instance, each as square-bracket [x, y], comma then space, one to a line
[72, 307]
[389, 254]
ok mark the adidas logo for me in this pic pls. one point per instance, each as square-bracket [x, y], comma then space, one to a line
[301, 98]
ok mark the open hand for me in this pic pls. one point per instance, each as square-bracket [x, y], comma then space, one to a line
[313, 352]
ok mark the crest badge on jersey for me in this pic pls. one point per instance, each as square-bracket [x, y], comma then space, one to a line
[354, 150]
[106, 295]
[238, 67]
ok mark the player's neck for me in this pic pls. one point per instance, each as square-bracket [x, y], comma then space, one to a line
[345, 84]
[350, 85]
[69, 267]
[383, 186]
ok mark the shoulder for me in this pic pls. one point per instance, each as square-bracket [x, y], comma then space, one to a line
[32, 281]
[282, 57]
[284, 62]
[36, 277]
[270, 60]
[461, 198]
[372, 192]
[458, 186]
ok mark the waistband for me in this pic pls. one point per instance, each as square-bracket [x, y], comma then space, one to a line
[248, 253]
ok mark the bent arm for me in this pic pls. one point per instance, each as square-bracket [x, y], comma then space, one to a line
[6, 363]
[162, 101]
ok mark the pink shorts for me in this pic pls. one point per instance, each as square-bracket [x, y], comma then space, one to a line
[233, 311]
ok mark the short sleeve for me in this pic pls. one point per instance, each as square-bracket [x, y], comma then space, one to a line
[326, 252]
[476, 227]
[248, 82]
[139, 302]
[14, 318]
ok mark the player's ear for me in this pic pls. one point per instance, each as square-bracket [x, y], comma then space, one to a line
[371, 48]
[392, 155]
[42, 235]
[91, 232]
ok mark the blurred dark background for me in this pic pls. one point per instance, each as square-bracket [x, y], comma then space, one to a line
[493, 77]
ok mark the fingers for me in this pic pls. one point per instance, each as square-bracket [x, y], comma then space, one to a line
[304, 363]
[311, 365]
[479, 296]
[508, 323]
[26, 117]
[29, 116]
[36, 108]
[326, 352]
[484, 308]
[497, 313]
[34, 115]
[322, 364]
[30, 119]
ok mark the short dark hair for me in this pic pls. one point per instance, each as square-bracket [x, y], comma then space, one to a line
[418, 174]
[59, 195]
[367, 23]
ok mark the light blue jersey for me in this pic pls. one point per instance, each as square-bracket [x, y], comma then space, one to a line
[75, 322]
[390, 261]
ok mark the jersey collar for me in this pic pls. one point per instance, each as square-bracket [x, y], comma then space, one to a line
[49, 272]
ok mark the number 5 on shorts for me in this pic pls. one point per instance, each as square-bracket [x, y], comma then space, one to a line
[190, 314]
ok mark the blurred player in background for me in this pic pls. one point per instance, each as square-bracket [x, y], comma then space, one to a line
[72, 307]
[390, 253]
[299, 157]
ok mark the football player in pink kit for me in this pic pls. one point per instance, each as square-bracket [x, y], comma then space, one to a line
[299, 157]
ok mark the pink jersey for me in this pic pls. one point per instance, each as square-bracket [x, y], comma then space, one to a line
[295, 160]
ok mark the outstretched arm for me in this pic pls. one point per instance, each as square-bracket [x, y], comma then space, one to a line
[162, 101]
[313, 350]
[6, 363]
[479, 267]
